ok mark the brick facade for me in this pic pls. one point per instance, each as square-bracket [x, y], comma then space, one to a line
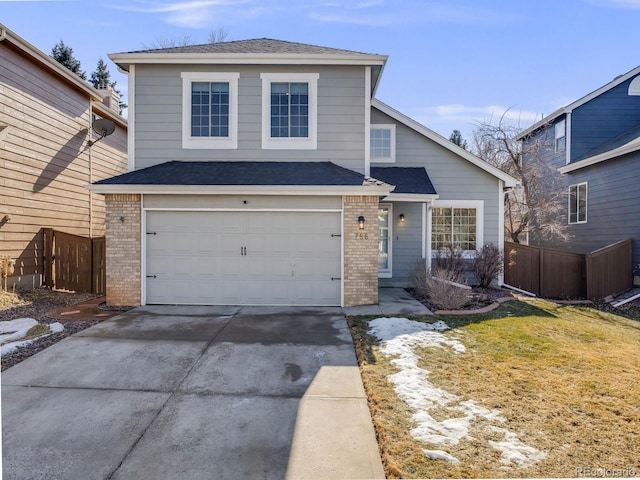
[360, 251]
[123, 250]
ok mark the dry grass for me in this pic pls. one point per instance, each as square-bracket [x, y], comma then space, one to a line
[565, 378]
[10, 299]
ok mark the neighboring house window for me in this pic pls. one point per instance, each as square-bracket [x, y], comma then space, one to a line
[561, 135]
[209, 110]
[457, 225]
[578, 203]
[383, 143]
[289, 110]
[384, 241]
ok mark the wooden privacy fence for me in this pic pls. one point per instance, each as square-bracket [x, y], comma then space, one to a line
[72, 262]
[559, 274]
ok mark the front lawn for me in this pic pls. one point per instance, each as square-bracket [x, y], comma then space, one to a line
[532, 389]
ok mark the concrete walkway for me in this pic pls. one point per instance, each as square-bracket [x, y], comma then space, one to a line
[392, 302]
[193, 392]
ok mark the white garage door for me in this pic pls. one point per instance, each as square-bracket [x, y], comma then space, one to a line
[243, 258]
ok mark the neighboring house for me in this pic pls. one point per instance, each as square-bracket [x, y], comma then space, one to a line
[595, 143]
[46, 157]
[265, 172]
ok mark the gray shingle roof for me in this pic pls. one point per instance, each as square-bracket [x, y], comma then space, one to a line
[240, 173]
[406, 179]
[255, 46]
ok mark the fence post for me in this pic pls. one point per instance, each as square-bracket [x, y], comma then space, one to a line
[541, 267]
[47, 257]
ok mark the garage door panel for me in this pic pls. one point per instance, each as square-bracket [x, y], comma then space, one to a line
[199, 257]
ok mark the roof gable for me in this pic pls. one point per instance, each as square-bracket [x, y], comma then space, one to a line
[260, 51]
[255, 46]
[508, 180]
[581, 101]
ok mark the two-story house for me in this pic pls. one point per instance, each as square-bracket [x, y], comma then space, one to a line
[265, 172]
[595, 143]
[48, 154]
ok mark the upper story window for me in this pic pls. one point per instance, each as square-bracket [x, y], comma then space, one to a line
[289, 110]
[561, 135]
[209, 110]
[578, 203]
[382, 142]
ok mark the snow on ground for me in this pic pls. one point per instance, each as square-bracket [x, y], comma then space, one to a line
[399, 337]
[13, 330]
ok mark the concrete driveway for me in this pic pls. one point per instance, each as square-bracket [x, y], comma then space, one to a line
[195, 393]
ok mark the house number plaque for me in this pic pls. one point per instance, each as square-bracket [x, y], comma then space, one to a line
[362, 236]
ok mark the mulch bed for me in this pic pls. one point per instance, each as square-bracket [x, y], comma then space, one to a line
[479, 298]
[48, 306]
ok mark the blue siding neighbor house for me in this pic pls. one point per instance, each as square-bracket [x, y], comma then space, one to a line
[595, 143]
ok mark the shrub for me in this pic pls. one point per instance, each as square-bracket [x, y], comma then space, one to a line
[451, 260]
[488, 264]
[439, 286]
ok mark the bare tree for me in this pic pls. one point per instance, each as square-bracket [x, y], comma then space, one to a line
[215, 36]
[218, 35]
[537, 204]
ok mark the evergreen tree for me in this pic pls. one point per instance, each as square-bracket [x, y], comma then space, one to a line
[63, 54]
[101, 77]
[456, 137]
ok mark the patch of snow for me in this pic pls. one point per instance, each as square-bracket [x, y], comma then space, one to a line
[10, 347]
[441, 455]
[56, 327]
[14, 329]
[399, 337]
[514, 451]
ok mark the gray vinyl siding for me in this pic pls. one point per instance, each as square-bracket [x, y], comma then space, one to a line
[602, 119]
[453, 177]
[341, 119]
[612, 206]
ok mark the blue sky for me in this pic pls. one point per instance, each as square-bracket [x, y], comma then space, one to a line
[451, 64]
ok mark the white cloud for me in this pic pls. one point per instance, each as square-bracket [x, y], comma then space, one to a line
[190, 14]
[407, 12]
[472, 115]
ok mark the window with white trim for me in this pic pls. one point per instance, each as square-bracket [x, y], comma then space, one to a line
[385, 215]
[210, 110]
[382, 142]
[561, 135]
[578, 203]
[453, 227]
[289, 110]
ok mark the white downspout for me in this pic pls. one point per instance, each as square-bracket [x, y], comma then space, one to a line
[367, 121]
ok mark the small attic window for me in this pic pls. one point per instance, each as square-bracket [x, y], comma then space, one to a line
[634, 86]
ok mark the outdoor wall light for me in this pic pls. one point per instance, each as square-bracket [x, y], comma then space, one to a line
[361, 222]
[402, 218]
